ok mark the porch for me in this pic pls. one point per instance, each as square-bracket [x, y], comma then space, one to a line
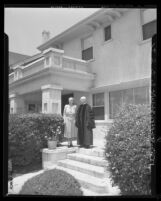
[47, 100]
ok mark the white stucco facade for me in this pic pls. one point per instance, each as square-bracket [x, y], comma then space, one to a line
[123, 62]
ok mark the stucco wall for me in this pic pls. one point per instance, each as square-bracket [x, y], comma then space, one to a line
[73, 48]
[122, 59]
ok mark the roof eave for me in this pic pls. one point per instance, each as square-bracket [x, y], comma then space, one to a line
[82, 22]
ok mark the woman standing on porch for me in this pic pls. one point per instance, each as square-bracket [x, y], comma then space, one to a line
[69, 120]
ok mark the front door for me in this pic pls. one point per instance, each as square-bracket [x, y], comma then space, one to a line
[65, 100]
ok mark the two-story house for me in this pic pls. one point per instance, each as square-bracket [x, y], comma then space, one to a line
[105, 57]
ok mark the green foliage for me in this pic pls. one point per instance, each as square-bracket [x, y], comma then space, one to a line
[52, 182]
[27, 135]
[128, 150]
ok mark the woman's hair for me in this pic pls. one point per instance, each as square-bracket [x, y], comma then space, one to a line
[73, 100]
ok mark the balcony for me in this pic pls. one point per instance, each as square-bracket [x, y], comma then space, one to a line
[55, 59]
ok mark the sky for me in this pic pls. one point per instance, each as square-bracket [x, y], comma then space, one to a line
[24, 26]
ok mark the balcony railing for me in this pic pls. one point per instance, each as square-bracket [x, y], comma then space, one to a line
[75, 64]
[52, 58]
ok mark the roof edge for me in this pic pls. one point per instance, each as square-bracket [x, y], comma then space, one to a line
[71, 28]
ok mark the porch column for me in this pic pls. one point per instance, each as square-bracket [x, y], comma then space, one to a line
[51, 99]
[17, 104]
[107, 108]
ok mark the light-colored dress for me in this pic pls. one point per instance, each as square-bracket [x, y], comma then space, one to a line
[69, 120]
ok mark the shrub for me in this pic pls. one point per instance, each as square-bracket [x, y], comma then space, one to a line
[128, 150]
[52, 182]
[27, 135]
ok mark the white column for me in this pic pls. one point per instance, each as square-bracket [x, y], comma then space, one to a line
[107, 109]
[51, 99]
[17, 104]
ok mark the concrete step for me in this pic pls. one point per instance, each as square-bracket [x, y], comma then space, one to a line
[93, 160]
[92, 152]
[83, 167]
[92, 184]
[87, 192]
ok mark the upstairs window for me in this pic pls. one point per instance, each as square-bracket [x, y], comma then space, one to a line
[87, 48]
[149, 24]
[107, 33]
[149, 30]
[47, 60]
[98, 106]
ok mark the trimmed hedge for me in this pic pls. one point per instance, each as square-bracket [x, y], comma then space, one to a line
[27, 135]
[52, 182]
[128, 150]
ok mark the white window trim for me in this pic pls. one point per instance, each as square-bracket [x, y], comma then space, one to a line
[145, 41]
[108, 41]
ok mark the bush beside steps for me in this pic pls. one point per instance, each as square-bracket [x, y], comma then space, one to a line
[52, 182]
[128, 150]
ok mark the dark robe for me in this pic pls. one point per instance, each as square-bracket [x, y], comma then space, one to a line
[85, 123]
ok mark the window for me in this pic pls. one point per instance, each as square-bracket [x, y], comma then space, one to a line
[31, 107]
[11, 110]
[98, 106]
[45, 107]
[87, 48]
[149, 29]
[47, 61]
[115, 102]
[139, 95]
[107, 33]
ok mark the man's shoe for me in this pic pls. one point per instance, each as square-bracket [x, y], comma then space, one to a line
[87, 146]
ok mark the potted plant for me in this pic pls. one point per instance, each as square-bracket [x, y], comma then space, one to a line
[52, 143]
[52, 137]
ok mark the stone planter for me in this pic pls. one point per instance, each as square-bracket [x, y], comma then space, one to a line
[52, 144]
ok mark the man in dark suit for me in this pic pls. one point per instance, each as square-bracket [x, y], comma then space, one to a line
[85, 123]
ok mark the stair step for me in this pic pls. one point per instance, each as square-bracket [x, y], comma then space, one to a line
[83, 167]
[91, 152]
[93, 160]
[91, 183]
[87, 192]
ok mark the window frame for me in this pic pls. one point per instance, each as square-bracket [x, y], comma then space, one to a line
[147, 100]
[99, 106]
[142, 41]
[143, 25]
[105, 33]
[82, 46]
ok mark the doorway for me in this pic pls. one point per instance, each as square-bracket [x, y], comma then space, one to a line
[64, 100]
